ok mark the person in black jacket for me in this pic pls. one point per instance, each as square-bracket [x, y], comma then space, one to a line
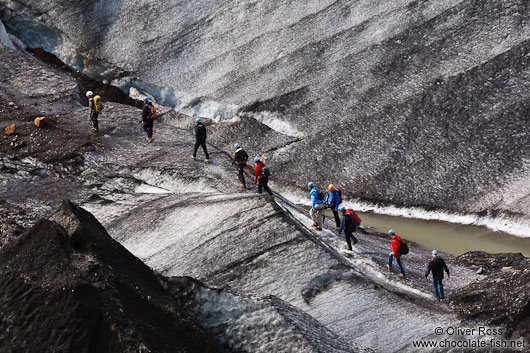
[200, 139]
[147, 119]
[437, 266]
[349, 225]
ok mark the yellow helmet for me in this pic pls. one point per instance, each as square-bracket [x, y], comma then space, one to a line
[331, 187]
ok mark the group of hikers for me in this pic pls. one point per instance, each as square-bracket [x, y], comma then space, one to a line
[95, 106]
[349, 223]
[319, 202]
[240, 159]
[261, 172]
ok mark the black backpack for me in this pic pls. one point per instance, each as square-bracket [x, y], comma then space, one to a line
[266, 172]
[321, 196]
[403, 248]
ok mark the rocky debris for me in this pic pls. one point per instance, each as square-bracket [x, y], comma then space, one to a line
[71, 288]
[40, 121]
[501, 297]
[13, 221]
[10, 130]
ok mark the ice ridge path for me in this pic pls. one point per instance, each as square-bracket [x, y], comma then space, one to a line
[188, 218]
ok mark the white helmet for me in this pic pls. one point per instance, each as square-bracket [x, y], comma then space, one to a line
[89, 93]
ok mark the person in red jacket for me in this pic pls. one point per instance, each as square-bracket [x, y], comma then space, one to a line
[261, 176]
[395, 253]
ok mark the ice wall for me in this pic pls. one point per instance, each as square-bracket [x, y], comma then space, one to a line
[411, 103]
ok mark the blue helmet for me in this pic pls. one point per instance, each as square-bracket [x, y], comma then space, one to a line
[310, 184]
[256, 159]
[342, 209]
[434, 252]
[198, 120]
[391, 232]
[237, 145]
[146, 99]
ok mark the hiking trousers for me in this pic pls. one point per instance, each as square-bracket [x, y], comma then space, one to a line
[94, 120]
[241, 166]
[349, 238]
[336, 215]
[262, 183]
[438, 285]
[148, 128]
[398, 260]
[317, 216]
[203, 144]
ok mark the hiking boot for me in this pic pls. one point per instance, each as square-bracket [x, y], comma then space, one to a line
[314, 224]
[149, 140]
[401, 275]
[347, 248]
[388, 267]
[243, 186]
[206, 160]
[94, 129]
[193, 157]
[338, 228]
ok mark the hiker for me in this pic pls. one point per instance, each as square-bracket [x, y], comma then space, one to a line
[200, 139]
[317, 207]
[261, 175]
[241, 158]
[396, 240]
[437, 266]
[147, 119]
[349, 225]
[333, 202]
[95, 106]
[153, 110]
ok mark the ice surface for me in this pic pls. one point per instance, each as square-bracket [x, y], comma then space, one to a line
[4, 37]
[258, 324]
[384, 89]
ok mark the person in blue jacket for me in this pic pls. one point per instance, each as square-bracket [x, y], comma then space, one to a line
[333, 202]
[317, 207]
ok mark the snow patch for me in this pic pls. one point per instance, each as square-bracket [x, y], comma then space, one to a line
[272, 121]
[148, 189]
[170, 183]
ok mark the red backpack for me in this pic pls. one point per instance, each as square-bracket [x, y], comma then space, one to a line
[340, 195]
[153, 111]
[351, 213]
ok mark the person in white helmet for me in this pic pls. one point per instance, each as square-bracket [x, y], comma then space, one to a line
[93, 114]
[241, 158]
